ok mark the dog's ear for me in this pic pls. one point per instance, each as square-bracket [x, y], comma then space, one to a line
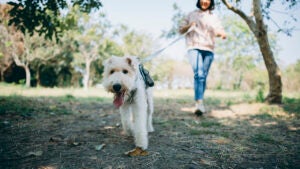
[129, 61]
[132, 62]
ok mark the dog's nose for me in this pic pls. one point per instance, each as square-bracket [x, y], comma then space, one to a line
[117, 87]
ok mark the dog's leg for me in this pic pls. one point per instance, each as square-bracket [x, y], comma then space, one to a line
[140, 129]
[140, 124]
[149, 110]
[126, 119]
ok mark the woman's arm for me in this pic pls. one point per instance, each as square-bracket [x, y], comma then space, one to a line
[221, 34]
[218, 28]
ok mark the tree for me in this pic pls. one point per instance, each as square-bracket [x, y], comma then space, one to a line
[246, 54]
[17, 46]
[292, 77]
[42, 16]
[257, 25]
[94, 43]
[89, 51]
[135, 43]
[25, 49]
[52, 61]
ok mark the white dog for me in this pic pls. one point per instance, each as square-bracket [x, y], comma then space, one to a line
[134, 99]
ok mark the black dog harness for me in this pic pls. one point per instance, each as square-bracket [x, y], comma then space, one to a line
[146, 76]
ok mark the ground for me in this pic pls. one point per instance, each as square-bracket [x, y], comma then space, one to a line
[68, 132]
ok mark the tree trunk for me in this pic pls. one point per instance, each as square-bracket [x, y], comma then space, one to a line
[25, 66]
[275, 84]
[259, 29]
[38, 81]
[1, 76]
[87, 74]
[261, 34]
[28, 75]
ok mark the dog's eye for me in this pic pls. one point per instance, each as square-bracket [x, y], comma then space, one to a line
[125, 71]
[112, 71]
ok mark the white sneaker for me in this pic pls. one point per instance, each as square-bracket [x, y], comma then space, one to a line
[200, 109]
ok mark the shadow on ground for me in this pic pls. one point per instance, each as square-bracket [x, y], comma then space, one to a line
[66, 132]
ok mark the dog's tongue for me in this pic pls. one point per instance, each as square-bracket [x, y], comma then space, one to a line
[118, 101]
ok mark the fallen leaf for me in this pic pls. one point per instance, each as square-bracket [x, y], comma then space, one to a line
[56, 139]
[99, 147]
[109, 127]
[34, 153]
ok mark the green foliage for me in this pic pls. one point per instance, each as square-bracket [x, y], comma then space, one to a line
[289, 6]
[235, 69]
[247, 98]
[43, 16]
[177, 18]
[260, 95]
[137, 44]
[22, 81]
[292, 105]
[85, 37]
[297, 66]
[291, 78]
[229, 103]
[164, 71]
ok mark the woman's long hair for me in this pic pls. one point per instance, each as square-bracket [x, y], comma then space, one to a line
[211, 6]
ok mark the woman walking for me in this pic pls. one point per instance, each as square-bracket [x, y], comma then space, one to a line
[200, 44]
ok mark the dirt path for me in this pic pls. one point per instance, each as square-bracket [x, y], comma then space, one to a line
[49, 133]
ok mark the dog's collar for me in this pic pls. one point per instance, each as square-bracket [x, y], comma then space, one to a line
[131, 95]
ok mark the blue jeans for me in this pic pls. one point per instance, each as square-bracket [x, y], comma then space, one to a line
[200, 61]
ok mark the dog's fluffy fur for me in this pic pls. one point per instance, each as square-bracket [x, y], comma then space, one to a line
[123, 78]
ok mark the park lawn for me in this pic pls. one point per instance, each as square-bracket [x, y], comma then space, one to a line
[73, 128]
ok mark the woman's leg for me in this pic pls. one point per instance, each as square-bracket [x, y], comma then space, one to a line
[208, 58]
[195, 59]
[200, 61]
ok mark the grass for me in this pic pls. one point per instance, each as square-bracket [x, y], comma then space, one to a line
[210, 124]
[263, 137]
[18, 90]
[292, 105]
[28, 106]
[237, 132]
[17, 94]
[263, 116]
[15, 104]
[198, 132]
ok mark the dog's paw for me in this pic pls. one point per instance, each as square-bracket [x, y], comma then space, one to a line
[137, 152]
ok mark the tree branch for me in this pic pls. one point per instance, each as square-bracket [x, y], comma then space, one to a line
[258, 14]
[248, 19]
[17, 60]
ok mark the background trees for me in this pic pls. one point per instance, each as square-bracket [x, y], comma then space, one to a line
[76, 59]
[88, 39]
[43, 16]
